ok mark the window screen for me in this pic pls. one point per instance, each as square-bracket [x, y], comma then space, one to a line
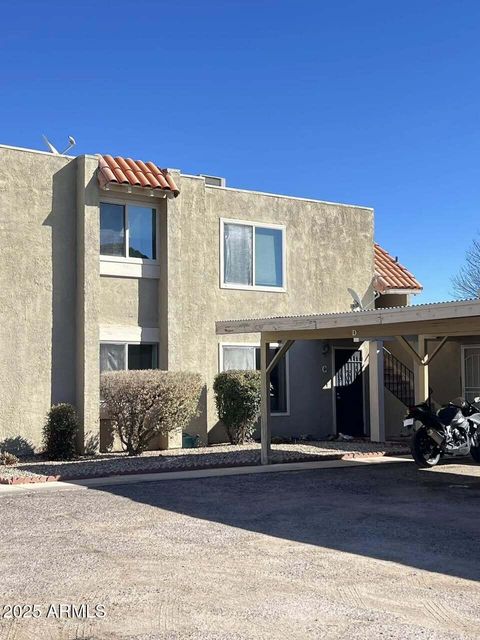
[238, 252]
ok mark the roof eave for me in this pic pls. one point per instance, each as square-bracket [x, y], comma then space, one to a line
[136, 190]
[400, 291]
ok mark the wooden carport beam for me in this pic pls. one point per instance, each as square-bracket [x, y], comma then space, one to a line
[417, 358]
[265, 431]
[421, 373]
[265, 370]
[421, 360]
[427, 359]
[279, 355]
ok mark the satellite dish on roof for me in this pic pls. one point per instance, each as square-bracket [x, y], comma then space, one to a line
[357, 301]
[357, 304]
[50, 146]
[71, 143]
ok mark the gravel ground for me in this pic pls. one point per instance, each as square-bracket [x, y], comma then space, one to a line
[184, 459]
[372, 552]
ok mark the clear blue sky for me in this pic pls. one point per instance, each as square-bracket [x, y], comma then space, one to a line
[365, 102]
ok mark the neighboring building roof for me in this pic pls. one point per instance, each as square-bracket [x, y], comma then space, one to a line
[391, 276]
[136, 173]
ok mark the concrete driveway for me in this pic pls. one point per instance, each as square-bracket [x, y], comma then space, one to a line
[381, 551]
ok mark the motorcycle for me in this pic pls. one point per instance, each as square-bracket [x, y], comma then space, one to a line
[454, 430]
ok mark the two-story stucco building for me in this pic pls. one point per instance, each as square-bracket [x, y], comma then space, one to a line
[112, 263]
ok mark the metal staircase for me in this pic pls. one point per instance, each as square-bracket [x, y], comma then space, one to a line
[398, 378]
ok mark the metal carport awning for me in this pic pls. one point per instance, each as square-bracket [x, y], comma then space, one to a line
[443, 319]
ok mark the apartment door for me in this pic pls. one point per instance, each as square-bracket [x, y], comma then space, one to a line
[348, 391]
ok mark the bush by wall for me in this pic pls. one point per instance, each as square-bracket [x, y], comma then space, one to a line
[237, 396]
[7, 458]
[60, 432]
[144, 404]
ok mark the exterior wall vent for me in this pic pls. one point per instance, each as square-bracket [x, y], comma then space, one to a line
[214, 181]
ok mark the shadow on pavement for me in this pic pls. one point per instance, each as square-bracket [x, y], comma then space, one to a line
[424, 519]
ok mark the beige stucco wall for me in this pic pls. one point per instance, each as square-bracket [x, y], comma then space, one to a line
[129, 301]
[329, 248]
[88, 297]
[54, 301]
[37, 289]
[445, 376]
[445, 372]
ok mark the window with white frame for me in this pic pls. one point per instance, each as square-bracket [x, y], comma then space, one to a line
[118, 356]
[252, 255]
[128, 231]
[245, 357]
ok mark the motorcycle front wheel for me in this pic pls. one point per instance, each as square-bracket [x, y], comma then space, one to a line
[424, 450]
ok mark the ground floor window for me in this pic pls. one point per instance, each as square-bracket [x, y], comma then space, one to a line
[248, 357]
[117, 356]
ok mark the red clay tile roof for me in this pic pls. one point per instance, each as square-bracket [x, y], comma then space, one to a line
[391, 275]
[134, 172]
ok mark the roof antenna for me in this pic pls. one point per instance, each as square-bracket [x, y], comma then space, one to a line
[56, 152]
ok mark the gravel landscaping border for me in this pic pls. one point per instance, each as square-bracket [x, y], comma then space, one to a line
[216, 456]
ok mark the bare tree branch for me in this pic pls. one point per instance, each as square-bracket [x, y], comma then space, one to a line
[466, 284]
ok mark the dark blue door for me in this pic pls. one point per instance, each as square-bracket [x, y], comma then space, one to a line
[349, 392]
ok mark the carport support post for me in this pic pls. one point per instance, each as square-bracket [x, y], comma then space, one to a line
[265, 431]
[420, 372]
[377, 395]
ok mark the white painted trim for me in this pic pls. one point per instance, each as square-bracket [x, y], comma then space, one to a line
[253, 287]
[256, 345]
[125, 269]
[129, 260]
[333, 386]
[402, 292]
[41, 152]
[136, 190]
[134, 335]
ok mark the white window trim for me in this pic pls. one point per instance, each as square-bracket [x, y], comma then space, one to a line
[127, 266]
[256, 345]
[134, 335]
[253, 287]
[125, 348]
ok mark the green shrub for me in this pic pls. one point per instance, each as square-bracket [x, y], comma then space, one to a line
[8, 459]
[237, 396]
[60, 432]
[144, 404]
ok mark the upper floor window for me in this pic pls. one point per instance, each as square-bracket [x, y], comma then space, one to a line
[128, 231]
[252, 255]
